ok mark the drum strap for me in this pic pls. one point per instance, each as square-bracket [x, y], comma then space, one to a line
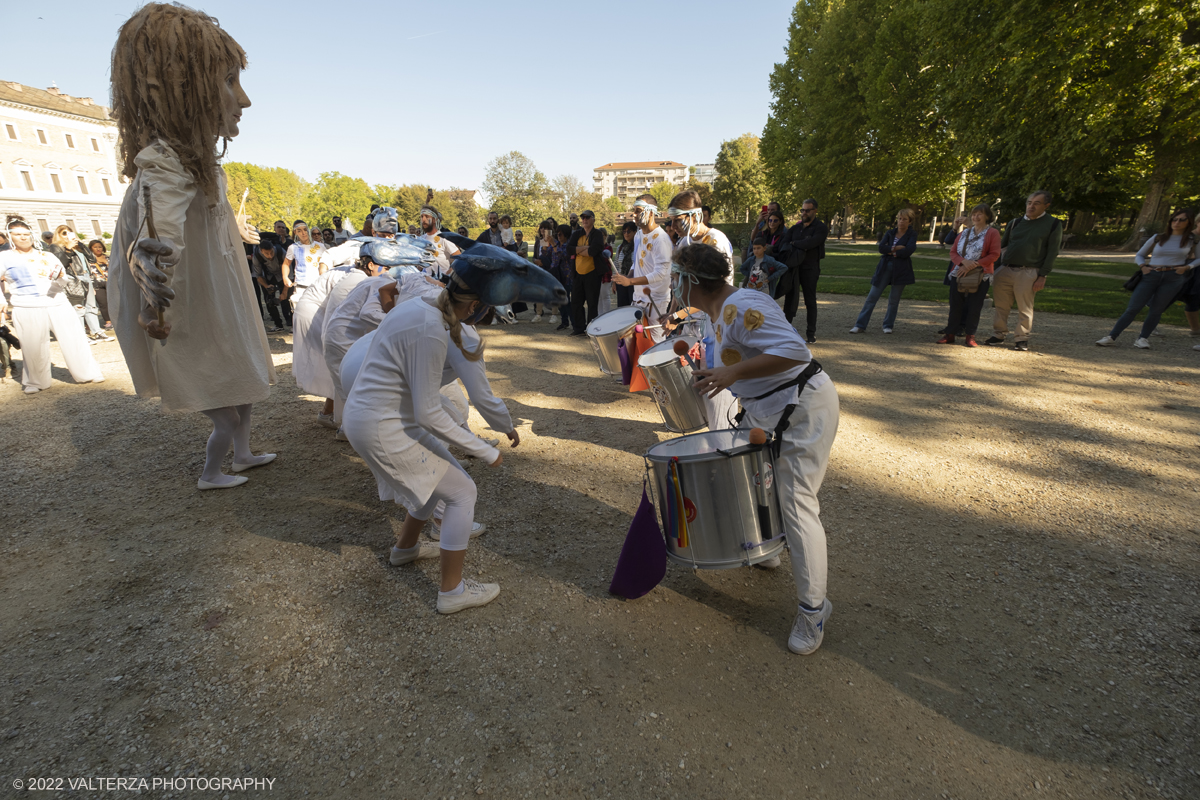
[784, 423]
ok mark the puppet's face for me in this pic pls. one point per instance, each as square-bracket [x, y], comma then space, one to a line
[233, 100]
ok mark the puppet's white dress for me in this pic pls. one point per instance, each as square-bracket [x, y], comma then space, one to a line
[217, 354]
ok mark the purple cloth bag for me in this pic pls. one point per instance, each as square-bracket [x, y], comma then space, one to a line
[643, 560]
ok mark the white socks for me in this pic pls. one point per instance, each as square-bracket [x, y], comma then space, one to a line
[456, 590]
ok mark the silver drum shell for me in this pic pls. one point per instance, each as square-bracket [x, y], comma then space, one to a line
[671, 387]
[606, 332]
[724, 490]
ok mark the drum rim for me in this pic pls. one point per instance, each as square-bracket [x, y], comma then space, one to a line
[665, 346]
[711, 455]
[620, 333]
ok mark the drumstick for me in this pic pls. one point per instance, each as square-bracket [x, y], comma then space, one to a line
[153, 235]
[681, 349]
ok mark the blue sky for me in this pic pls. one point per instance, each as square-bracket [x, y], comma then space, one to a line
[405, 92]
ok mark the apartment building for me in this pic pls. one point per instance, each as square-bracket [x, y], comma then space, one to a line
[705, 172]
[58, 160]
[627, 179]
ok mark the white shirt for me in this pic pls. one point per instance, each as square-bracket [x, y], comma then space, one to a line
[355, 317]
[765, 331]
[713, 238]
[32, 276]
[445, 250]
[304, 257]
[1169, 254]
[652, 260]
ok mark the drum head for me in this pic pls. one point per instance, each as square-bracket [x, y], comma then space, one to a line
[614, 322]
[353, 360]
[701, 446]
[664, 352]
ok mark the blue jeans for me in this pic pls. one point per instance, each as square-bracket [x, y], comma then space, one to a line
[889, 319]
[1158, 290]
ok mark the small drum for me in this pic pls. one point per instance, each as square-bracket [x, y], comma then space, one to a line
[353, 360]
[606, 332]
[716, 497]
[670, 380]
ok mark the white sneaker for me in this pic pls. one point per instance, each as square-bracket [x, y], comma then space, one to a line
[887, 330]
[809, 629]
[421, 551]
[477, 529]
[326, 420]
[1194, 347]
[493, 442]
[1142, 344]
[771, 563]
[856, 329]
[473, 594]
[340, 436]
[553, 319]
[536, 318]
[1157, 332]
[1106, 341]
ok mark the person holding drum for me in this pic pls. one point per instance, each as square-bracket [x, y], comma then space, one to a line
[764, 361]
[651, 272]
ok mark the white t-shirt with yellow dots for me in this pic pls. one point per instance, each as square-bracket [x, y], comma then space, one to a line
[751, 324]
[652, 261]
[713, 238]
[445, 251]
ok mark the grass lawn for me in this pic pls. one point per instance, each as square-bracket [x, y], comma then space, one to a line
[846, 271]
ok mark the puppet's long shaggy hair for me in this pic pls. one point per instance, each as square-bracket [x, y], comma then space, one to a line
[168, 66]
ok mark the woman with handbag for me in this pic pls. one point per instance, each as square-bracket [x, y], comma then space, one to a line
[72, 255]
[973, 255]
[894, 269]
[1165, 261]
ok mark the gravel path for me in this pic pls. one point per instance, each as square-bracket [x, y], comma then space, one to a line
[1013, 563]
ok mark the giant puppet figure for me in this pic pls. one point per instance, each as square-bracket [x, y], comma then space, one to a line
[184, 309]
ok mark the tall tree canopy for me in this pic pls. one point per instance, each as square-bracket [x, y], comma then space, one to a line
[740, 185]
[275, 193]
[516, 187]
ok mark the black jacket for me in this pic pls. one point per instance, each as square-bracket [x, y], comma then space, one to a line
[803, 246]
[485, 236]
[595, 246]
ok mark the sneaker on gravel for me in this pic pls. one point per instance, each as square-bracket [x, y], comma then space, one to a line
[1106, 341]
[423, 550]
[994, 341]
[887, 330]
[1196, 347]
[488, 440]
[536, 318]
[771, 563]
[553, 319]
[340, 436]
[1021, 346]
[809, 629]
[1142, 343]
[477, 529]
[856, 329]
[326, 420]
[473, 594]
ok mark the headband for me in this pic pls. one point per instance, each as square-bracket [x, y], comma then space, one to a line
[429, 210]
[644, 204]
[678, 270]
[679, 212]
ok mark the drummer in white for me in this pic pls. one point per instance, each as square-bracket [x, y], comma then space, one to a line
[687, 218]
[651, 272]
[430, 220]
[765, 362]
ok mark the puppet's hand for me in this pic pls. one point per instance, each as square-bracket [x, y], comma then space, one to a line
[247, 231]
[149, 264]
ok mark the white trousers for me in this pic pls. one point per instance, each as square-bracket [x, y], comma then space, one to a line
[799, 471]
[33, 326]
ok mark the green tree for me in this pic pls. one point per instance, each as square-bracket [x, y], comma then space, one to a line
[663, 191]
[570, 195]
[1075, 105]
[740, 184]
[516, 187]
[466, 211]
[702, 188]
[335, 194]
[275, 193]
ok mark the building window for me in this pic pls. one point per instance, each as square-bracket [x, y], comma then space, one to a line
[44, 225]
[96, 227]
[12, 131]
[107, 188]
[95, 144]
[70, 141]
[42, 137]
[28, 179]
[55, 181]
[82, 184]
[71, 225]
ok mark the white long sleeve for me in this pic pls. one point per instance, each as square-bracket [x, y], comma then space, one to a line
[473, 375]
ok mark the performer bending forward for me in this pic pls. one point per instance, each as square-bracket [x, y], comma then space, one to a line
[763, 360]
[395, 420]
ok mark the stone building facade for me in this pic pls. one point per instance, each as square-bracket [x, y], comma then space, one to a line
[58, 161]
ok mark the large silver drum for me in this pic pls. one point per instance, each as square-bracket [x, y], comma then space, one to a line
[670, 380]
[716, 497]
[606, 332]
